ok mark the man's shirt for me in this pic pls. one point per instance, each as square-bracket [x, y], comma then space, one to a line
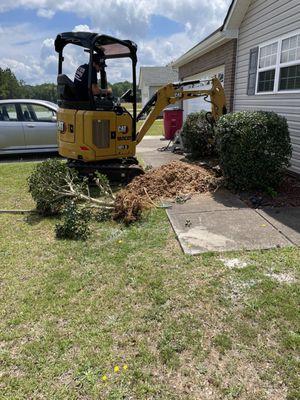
[81, 81]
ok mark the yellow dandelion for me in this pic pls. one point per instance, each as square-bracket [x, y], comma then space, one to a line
[104, 378]
[116, 369]
[120, 241]
[125, 367]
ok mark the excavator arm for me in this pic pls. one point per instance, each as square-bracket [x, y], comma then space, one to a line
[174, 92]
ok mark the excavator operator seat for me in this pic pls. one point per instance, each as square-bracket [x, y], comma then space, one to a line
[67, 96]
[65, 88]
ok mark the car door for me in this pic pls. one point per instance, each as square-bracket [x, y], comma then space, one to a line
[39, 126]
[11, 129]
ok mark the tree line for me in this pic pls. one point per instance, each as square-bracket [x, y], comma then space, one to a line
[12, 88]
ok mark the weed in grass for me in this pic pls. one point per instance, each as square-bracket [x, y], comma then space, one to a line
[223, 342]
[157, 292]
[232, 392]
[291, 341]
[293, 395]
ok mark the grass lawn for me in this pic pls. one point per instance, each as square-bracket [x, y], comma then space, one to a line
[157, 129]
[126, 315]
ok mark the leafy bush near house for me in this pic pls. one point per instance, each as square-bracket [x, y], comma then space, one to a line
[254, 148]
[198, 135]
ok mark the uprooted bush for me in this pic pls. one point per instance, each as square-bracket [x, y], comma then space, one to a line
[57, 189]
[53, 184]
[254, 149]
[198, 135]
[45, 183]
[75, 224]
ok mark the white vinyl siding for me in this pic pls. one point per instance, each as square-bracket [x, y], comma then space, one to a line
[266, 22]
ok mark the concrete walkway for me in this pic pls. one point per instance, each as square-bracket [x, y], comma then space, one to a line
[147, 150]
[221, 221]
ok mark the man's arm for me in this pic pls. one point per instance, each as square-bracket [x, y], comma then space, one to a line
[96, 90]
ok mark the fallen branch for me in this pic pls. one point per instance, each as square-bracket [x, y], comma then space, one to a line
[151, 201]
[18, 212]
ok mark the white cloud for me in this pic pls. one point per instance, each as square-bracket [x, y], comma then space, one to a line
[27, 71]
[81, 28]
[132, 17]
[36, 59]
[46, 13]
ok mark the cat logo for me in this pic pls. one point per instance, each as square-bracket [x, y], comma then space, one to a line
[122, 129]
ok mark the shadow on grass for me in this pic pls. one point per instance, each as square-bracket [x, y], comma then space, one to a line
[34, 219]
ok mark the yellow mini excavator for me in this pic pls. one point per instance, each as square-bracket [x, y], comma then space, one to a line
[100, 134]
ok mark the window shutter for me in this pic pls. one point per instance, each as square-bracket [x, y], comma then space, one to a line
[252, 71]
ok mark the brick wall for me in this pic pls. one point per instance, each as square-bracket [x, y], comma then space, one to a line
[223, 55]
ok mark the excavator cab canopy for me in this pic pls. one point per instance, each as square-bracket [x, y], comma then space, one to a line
[107, 47]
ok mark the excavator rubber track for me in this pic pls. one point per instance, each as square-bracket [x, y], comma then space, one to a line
[116, 170]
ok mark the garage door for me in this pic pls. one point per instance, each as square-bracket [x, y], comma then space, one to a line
[198, 104]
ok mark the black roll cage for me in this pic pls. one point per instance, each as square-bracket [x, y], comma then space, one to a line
[107, 47]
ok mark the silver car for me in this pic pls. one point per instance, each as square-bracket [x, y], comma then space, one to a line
[27, 126]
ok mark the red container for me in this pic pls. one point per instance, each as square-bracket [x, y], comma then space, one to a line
[172, 122]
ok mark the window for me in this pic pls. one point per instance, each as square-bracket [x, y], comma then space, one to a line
[279, 65]
[266, 81]
[289, 78]
[267, 60]
[8, 112]
[38, 113]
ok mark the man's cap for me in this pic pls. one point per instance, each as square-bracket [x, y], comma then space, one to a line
[98, 59]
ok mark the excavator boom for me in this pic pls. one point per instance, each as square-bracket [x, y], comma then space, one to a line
[174, 92]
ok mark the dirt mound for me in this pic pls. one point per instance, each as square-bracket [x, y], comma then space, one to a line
[166, 182]
[173, 179]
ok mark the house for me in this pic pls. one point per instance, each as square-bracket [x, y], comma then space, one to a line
[266, 69]
[153, 78]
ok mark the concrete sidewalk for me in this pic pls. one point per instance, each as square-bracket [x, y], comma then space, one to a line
[221, 221]
[147, 150]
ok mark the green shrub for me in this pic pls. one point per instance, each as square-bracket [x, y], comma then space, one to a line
[46, 178]
[103, 215]
[254, 148]
[75, 223]
[198, 135]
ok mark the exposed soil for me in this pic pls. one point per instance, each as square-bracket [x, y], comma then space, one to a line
[174, 179]
[287, 195]
[166, 182]
[179, 179]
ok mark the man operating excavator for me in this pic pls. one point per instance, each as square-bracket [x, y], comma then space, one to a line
[81, 79]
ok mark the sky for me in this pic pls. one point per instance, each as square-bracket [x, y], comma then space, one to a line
[162, 29]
